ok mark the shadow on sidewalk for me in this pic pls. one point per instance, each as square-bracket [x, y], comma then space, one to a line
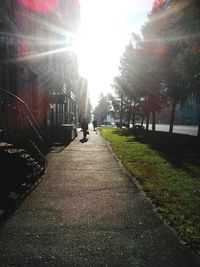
[19, 176]
[84, 140]
[58, 147]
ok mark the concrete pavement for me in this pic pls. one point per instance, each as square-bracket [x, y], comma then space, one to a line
[88, 212]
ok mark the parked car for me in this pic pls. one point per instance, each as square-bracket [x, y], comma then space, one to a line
[138, 126]
[106, 123]
[124, 124]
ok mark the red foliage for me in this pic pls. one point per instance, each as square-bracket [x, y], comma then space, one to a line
[39, 6]
[158, 4]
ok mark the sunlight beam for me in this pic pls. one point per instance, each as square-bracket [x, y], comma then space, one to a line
[106, 28]
[40, 55]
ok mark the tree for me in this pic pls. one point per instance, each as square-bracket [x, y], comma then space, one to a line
[161, 32]
[187, 63]
[165, 63]
[102, 109]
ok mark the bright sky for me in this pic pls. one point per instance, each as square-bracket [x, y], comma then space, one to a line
[106, 26]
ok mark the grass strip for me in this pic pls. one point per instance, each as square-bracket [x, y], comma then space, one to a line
[168, 168]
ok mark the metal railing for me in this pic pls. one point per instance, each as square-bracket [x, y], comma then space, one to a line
[19, 128]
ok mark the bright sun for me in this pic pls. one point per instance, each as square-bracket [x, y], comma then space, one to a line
[105, 29]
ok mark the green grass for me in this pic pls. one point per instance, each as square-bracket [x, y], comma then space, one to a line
[168, 168]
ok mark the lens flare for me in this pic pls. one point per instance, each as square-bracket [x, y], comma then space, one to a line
[39, 6]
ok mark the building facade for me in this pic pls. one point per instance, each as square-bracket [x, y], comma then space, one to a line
[37, 61]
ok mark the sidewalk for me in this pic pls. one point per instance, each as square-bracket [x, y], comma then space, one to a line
[87, 212]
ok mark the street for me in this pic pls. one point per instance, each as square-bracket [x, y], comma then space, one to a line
[183, 129]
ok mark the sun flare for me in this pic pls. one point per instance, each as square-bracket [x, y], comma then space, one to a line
[106, 27]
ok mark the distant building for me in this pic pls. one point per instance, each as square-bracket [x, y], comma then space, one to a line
[187, 113]
[83, 101]
[190, 110]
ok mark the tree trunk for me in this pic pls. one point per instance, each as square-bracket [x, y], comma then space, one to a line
[129, 114]
[133, 119]
[121, 111]
[198, 133]
[142, 121]
[147, 122]
[153, 121]
[174, 102]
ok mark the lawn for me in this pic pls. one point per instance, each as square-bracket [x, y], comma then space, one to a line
[168, 168]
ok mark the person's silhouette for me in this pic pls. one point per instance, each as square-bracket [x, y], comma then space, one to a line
[94, 123]
[84, 127]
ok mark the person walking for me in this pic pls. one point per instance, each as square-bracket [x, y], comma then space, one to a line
[94, 123]
[84, 127]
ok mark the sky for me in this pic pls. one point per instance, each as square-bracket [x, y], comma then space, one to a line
[105, 30]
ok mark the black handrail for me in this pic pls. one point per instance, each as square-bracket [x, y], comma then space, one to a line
[26, 107]
[19, 127]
